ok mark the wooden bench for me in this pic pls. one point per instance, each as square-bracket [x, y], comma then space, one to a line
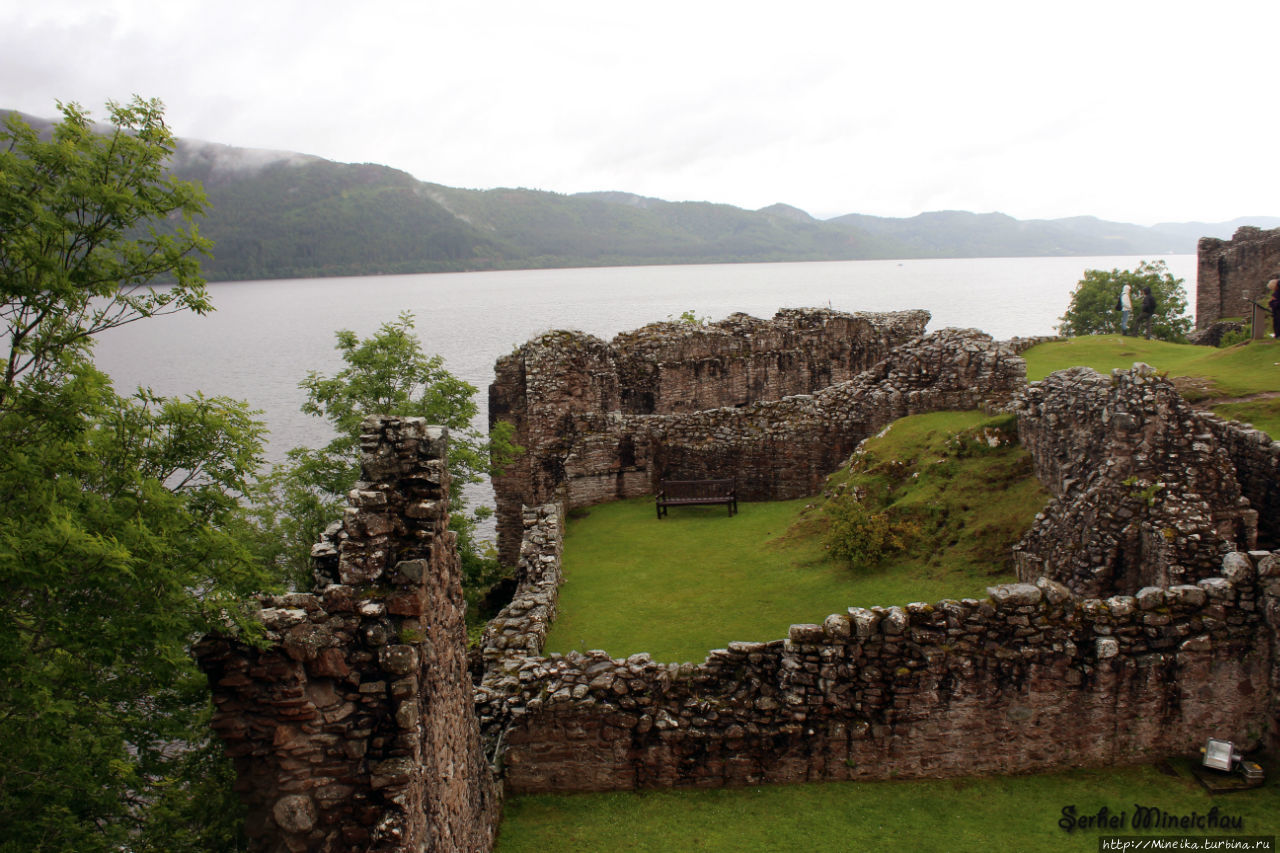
[696, 493]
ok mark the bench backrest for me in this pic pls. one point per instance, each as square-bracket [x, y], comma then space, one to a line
[697, 488]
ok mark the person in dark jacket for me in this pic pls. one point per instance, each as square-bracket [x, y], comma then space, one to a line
[1274, 304]
[1148, 312]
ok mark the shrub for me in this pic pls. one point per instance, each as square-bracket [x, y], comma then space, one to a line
[861, 536]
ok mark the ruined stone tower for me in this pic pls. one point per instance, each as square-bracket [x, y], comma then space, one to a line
[352, 724]
[1232, 273]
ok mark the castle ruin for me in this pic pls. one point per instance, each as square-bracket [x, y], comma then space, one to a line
[777, 405]
[1146, 617]
[1230, 274]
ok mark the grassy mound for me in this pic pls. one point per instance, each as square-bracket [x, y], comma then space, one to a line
[953, 489]
[696, 580]
[1206, 376]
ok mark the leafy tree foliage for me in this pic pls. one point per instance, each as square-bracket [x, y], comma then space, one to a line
[1092, 309]
[387, 373]
[83, 234]
[121, 537]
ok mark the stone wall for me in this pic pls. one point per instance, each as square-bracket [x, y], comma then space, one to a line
[601, 422]
[521, 627]
[786, 448]
[1166, 640]
[1256, 458]
[352, 725]
[1231, 273]
[1144, 491]
[1271, 613]
[1029, 678]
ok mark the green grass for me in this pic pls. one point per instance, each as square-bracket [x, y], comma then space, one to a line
[1235, 371]
[1202, 373]
[698, 579]
[958, 502]
[959, 815]
[692, 582]
[1263, 414]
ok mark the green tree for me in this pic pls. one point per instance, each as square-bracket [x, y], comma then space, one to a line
[88, 222]
[121, 537]
[1092, 308]
[387, 373]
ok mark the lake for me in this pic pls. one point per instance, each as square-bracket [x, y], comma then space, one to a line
[265, 336]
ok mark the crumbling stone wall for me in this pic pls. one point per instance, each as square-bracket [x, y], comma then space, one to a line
[521, 627]
[352, 726]
[686, 367]
[1270, 588]
[1232, 273]
[786, 448]
[1020, 345]
[1030, 678]
[1256, 458]
[601, 422]
[1144, 493]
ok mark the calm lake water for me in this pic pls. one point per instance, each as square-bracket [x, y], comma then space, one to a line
[265, 336]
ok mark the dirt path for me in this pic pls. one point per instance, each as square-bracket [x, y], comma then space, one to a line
[1263, 395]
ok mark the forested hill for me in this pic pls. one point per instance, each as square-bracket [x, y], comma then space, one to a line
[276, 214]
[302, 216]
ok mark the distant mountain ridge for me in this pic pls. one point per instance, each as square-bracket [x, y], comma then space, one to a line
[282, 214]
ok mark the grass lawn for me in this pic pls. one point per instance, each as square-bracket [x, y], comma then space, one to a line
[1203, 373]
[698, 579]
[1016, 813]
[691, 582]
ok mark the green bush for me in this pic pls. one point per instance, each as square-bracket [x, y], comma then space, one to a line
[1236, 336]
[861, 536]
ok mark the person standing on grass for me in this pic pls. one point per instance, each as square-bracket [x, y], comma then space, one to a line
[1148, 312]
[1122, 305]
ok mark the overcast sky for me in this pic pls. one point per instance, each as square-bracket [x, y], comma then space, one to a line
[1131, 111]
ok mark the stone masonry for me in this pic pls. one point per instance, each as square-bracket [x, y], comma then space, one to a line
[1171, 642]
[1144, 493]
[1030, 678]
[601, 421]
[351, 721]
[1232, 273]
[1256, 458]
[1145, 620]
